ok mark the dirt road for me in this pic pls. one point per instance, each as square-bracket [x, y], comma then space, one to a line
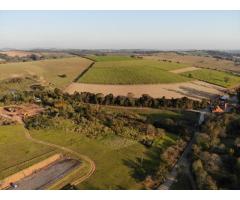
[91, 163]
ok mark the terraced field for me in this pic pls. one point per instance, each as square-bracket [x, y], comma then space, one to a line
[133, 72]
[222, 79]
[58, 72]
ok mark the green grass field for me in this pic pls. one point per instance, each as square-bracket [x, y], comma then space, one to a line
[110, 58]
[49, 70]
[223, 79]
[151, 114]
[16, 152]
[116, 158]
[132, 72]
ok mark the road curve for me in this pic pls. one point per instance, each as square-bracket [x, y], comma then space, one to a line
[80, 156]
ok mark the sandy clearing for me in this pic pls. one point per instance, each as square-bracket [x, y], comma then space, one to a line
[194, 90]
[186, 69]
[18, 112]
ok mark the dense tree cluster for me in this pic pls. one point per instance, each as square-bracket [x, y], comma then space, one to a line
[31, 57]
[143, 101]
[168, 159]
[216, 154]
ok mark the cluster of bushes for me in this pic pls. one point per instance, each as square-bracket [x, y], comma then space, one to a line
[168, 159]
[5, 121]
[86, 97]
[95, 123]
[216, 154]
[86, 116]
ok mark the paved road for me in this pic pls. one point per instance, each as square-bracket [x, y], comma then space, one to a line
[183, 161]
[47, 176]
[80, 156]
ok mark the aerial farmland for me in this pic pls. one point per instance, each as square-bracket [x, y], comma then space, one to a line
[81, 137]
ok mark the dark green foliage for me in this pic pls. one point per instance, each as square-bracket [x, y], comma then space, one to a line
[216, 153]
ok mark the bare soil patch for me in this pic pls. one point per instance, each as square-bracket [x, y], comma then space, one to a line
[18, 112]
[187, 69]
[194, 90]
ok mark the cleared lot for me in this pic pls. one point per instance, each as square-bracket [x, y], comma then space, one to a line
[45, 177]
[195, 89]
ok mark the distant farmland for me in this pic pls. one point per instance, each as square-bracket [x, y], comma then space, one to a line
[197, 61]
[223, 79]
[110, 58]
[58, 72]
[133, 72]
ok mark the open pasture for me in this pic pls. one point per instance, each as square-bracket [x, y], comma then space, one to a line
[133, 72]
[49, 71]
[220, 78]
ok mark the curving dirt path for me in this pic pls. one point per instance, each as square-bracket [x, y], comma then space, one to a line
[80, 156]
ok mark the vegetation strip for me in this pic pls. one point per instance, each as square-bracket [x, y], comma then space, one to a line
[83, 72]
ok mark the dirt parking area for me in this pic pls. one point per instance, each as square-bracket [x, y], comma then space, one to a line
[47, 176]
[194, 90]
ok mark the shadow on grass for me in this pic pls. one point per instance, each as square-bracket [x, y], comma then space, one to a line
[146, 165]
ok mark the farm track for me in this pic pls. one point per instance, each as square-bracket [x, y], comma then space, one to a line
[80, 156]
